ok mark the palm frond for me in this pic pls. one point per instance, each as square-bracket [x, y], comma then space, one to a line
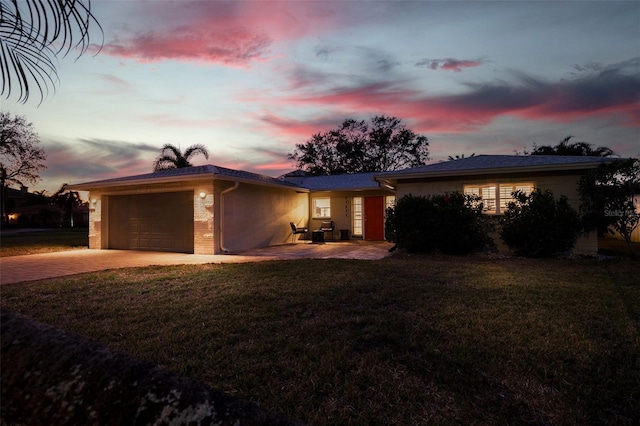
[32, 34]
[196, 149]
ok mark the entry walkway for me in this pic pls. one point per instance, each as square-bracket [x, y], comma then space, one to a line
[32, 267]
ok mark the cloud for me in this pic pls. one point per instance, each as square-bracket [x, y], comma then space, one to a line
[236, 34]
[448, 64]
[296, 128]
[239, 47]
[613, 92]
[83, 160]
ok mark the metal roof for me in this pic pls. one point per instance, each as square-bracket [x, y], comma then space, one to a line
[352, 182]
[476, 165]
[484, 164]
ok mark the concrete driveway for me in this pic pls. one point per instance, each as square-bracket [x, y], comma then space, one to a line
[32, 267]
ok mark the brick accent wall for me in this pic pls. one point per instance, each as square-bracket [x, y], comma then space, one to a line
[203, 224]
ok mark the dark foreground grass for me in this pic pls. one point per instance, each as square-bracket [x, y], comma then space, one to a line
[406, 340]
[45, 241]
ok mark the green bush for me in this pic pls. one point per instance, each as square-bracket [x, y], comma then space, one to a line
[538, 225]
[452, 223]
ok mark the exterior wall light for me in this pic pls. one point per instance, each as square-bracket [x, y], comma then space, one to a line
[94, 201]
[203, 194]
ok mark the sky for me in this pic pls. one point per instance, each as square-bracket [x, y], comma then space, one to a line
[250, 79]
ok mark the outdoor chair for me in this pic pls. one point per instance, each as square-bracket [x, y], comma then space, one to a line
[295, 230]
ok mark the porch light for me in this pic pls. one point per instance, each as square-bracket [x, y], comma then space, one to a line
[203, 194]
[94, 201]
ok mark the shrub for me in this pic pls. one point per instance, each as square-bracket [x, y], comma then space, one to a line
[452, 223]
[538, 225]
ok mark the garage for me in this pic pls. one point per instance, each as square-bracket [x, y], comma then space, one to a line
[154, 222]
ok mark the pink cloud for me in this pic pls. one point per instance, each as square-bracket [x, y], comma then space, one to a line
[222, 33]
[448, 64]
[613, 93]
[234, 48]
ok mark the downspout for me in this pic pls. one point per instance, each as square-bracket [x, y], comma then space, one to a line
[222, 194]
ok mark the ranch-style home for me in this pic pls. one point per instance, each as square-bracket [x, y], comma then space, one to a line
[214, 210]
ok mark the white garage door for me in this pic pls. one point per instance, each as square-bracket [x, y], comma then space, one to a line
[156, 222]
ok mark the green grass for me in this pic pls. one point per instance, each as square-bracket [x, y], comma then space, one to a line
[406, 340]
[51, 240]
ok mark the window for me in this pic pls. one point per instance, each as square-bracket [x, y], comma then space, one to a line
[497, 197]
[487, 193]
[357, 216]
[322, 208]
[507, 189]
[389, 201]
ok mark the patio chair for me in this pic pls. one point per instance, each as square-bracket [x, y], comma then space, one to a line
[295, 230]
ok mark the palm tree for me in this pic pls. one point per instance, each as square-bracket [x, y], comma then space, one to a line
[32, 34]
[172, 158]
[67, 201]
[460, 157]
[573, 148]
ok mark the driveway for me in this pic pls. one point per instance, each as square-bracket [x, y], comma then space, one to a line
[32, 267]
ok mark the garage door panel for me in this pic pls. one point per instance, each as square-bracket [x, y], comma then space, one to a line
[157, 222]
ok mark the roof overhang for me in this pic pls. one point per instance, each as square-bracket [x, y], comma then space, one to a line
[390, 180]
[158, 180]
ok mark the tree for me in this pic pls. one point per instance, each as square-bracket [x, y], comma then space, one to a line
[20, 158]
[357, 147]
[172, 158]
[32, 34]
[572, 148]
[67, 201]
[607, 195]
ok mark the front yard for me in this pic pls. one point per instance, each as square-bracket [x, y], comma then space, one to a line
[405, 340]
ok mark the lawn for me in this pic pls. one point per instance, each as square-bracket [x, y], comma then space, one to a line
[405, 340]
[43, 241]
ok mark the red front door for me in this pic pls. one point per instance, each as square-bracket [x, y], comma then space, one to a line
[374, 218]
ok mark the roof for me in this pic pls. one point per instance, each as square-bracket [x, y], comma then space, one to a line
[352, 182]
[186, 173]
[491, 164]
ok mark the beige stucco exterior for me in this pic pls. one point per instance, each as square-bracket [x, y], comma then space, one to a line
[253, 216]
[561, 183]
[227, 217]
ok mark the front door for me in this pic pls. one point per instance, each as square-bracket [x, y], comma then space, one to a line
[374, 218]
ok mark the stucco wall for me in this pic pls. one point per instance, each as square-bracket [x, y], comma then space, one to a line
[254, 216]
[561, 184]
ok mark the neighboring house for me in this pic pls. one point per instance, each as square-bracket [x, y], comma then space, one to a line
[212, 210]
[26, 209]
[495, 177]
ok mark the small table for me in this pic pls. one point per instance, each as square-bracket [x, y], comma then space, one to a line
[344, 234]
[317, 236]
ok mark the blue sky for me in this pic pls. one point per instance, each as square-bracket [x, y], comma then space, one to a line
[250, 79]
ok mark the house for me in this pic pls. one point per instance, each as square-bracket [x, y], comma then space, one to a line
[213, 210]
[495, 177]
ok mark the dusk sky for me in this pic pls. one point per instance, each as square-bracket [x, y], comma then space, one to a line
[250, 79]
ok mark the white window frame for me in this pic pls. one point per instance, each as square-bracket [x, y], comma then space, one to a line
[357, 216]
[322, 211]
[496, 197]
